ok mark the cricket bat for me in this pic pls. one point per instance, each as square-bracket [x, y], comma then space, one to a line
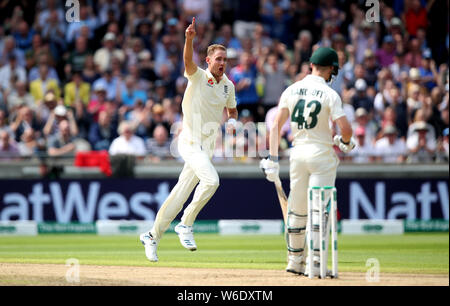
[282, 198]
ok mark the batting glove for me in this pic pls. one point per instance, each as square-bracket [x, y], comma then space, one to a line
[271, 169]
[344, 147]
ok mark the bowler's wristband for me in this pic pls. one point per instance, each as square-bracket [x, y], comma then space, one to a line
[273, 158]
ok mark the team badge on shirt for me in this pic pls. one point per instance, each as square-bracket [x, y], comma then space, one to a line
[210, 83]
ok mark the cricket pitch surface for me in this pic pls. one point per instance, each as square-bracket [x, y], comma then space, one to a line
[12, 274]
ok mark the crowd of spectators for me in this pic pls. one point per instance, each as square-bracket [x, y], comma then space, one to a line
[114, 79]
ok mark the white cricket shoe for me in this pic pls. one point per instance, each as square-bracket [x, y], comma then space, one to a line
[295, 265]
[186, 235]
[150, 245]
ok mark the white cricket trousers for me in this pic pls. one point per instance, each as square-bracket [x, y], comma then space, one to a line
[310, 165]
[197, 168]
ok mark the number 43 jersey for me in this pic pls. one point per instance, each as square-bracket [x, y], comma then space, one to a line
[311, 103]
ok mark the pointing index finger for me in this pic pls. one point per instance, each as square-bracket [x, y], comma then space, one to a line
[193, 21]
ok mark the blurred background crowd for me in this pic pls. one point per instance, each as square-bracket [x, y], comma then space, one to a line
[114, 79]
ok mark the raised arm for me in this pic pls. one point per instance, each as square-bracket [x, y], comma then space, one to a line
[188, 51]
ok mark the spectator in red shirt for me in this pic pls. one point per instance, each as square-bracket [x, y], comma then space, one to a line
[415, 17]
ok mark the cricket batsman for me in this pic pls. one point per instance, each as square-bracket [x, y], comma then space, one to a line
[310, 103]
[207, 94]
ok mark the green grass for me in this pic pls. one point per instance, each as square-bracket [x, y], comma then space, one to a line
[409, 253]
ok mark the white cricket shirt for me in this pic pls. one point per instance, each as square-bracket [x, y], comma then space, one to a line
[311, 103]
[203, 104]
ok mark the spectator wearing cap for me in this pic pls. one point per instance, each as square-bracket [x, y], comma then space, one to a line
[76, 90]
[98, 100]
[362, 120]
[158, 146]
[361, 99]
[364, 152]
[421, 116]
[103, 56]
[59, 114]
[413, 80]
[43, 84]
[63, 142]
[385, 55]
[8, 147]
[127, 143]
[395, 27]
[103, 132]
[428, 72]
[390, 148]
[10, 73]
[420, 148]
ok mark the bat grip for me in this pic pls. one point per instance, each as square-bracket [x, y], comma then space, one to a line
[278, 182]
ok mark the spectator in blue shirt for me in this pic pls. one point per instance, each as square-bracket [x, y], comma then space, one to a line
[130, 93]
[244, 78]
[428, 72]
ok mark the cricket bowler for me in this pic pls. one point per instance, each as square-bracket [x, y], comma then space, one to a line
[207, 94]
[310, 103]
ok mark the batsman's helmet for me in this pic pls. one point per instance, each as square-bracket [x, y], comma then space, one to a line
[326, 57]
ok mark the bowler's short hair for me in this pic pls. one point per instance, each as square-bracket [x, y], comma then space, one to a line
[213, 48]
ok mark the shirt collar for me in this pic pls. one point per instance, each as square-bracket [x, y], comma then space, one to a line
[316, 78]
[209, 74]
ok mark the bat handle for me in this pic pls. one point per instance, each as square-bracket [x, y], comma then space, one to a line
[278, 182]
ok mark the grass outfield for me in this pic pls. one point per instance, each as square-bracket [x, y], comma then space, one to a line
[409, 253]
